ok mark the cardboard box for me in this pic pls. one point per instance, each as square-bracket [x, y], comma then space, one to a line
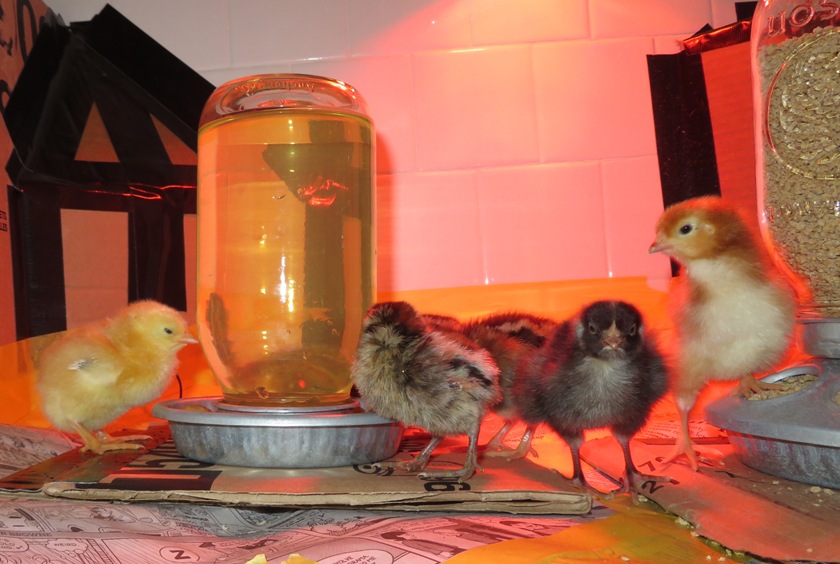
[703, 117]
[20, 23]
[104, 122]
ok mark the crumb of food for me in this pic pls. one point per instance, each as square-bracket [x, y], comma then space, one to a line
[625, 558]
[708, 557]
[682, 522]
[815, 489]
[776, 482]
[789, 385]
[199, 408]
[828, 491]
[258, 559]
[809, 550]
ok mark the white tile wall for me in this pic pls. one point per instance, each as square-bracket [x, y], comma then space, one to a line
[515, 139]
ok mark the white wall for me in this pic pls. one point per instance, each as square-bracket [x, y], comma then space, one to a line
[515, 137]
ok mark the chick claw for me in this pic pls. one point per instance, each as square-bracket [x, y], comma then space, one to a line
[521, 451]
[748, 386]
[101, 442]
[413, 465]
[680, 450]
[633, 483]
[462, 475]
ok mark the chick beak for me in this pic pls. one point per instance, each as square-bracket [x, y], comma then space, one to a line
[613, 342]
[612, 339]
[657, 246]
[187, 339]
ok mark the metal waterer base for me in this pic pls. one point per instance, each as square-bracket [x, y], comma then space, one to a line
[210, 430]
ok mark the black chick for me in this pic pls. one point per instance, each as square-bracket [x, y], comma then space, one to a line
[597, 370]
[424, 376]
[508, 337]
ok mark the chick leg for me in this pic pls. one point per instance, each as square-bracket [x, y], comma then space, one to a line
[497, 442]
[521, 450]
[633, 479]
[470, 464]
[578, 479]
[684, 445]
[418, 462]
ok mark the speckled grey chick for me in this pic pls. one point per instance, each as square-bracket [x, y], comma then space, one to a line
[508, 337]
[597, 370]
[423, 375]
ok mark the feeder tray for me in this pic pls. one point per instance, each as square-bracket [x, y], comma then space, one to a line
[794, 436]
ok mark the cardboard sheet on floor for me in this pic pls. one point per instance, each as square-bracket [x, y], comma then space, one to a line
[162, 474]
[736, 506]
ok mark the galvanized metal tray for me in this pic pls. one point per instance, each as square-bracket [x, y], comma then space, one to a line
[209, 430]
[796, 436]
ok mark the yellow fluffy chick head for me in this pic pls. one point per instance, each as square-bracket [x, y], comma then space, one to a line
[159, 326]
[703, 228]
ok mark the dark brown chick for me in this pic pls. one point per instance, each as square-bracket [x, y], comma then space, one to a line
[597, 370]
[508, 336]
[440, 381]
[733, 310]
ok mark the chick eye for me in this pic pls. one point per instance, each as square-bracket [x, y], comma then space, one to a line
[592, 328]
[686, 229]
[632, 330]
[168, 331]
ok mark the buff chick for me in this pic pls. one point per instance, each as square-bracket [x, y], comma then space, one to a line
[599, 369]
[94, 374]
[733, 309]
[413, 370]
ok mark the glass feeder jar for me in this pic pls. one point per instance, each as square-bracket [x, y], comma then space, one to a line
[796, 91]
[286, 237]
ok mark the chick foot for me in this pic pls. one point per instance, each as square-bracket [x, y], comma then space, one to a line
[415, 464]
[684, 445]
[748, 386]
[521, 451]
[683, 448]
[101, 442]
[580, 483]
[469, 468]
[462, 475]
[633, 482]
[497, 443]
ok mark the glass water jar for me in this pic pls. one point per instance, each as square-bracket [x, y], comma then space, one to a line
[286, 237]
[796, 90]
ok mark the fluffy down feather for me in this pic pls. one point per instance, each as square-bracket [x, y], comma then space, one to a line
[597, 370]
[423, 375]
[733, 310]
[92, 375]
[508, 337]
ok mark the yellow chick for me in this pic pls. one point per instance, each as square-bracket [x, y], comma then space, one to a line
[733, 310]
[92, 375]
